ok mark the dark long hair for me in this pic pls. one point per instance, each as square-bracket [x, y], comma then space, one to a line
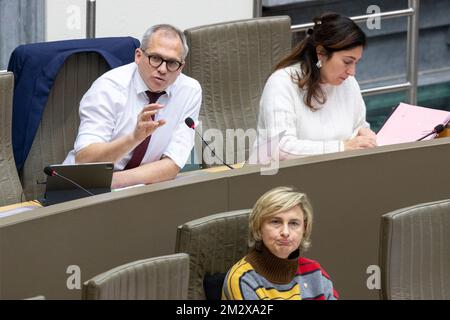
[332, 31]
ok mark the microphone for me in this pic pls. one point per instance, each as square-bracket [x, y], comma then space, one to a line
[191, 124]
[52, 173]
[438, 129]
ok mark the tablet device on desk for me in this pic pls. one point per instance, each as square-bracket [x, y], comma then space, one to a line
[74, 181]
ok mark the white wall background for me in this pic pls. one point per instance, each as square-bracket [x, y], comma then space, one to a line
[66, 19]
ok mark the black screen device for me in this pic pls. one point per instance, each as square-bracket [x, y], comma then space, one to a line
[75, 181]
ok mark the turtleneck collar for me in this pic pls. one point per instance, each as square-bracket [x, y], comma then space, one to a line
[274, 269]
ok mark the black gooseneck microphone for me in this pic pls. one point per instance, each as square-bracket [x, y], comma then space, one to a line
[51, 172]
[191, 124]
[438, 129]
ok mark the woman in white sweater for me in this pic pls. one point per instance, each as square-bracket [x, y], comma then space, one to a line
[313, 97]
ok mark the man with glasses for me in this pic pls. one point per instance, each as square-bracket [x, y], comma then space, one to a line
[134, 115]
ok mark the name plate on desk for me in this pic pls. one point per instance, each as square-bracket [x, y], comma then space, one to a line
[408, 123]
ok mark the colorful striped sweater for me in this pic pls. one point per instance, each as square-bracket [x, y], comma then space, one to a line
[308, 281]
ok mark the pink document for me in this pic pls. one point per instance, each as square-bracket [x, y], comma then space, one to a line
[409, 123]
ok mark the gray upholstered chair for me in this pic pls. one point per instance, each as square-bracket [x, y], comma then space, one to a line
[232, 62]
[164, 277]
[10, 187]
[415, 252]
[214, 243]
[59, 125]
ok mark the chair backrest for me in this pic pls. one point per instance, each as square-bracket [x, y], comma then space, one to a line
[214, 243]
[59, 125]
[164, 277]
[10, 187]
[232, 62]
[415, 252]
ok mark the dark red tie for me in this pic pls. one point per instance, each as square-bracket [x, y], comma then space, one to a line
[139, 151]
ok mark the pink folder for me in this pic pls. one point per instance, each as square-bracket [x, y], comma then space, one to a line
[409, 123]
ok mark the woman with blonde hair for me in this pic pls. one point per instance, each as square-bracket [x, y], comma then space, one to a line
[280, 227]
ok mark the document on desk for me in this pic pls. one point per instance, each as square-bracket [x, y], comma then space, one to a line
[408, 123]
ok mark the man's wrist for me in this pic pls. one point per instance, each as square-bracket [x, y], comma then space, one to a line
[133, 140]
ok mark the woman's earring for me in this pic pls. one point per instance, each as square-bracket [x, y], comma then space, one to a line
[319, 64]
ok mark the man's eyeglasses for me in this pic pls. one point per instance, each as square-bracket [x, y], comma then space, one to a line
[156, 60]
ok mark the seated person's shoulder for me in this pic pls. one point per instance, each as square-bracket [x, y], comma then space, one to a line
[242, 273]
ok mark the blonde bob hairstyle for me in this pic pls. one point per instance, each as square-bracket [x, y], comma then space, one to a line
[275, 201]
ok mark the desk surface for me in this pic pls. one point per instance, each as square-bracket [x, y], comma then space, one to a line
[349, 192]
